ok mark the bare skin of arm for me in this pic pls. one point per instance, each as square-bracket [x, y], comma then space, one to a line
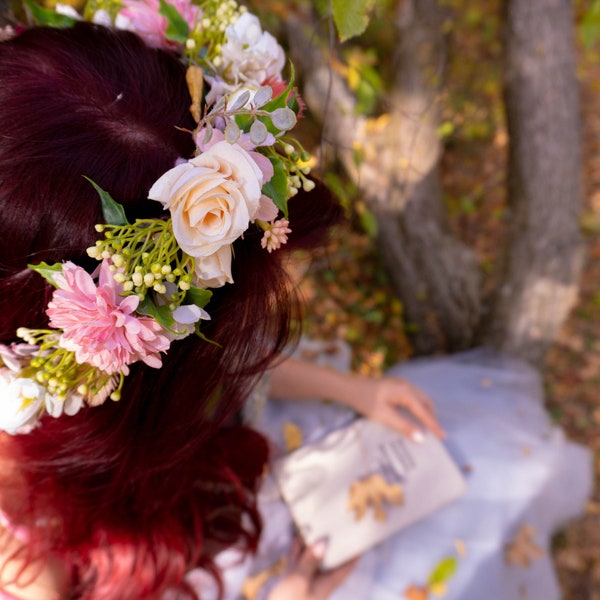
[39, 581]
[304, 581]
[375, 398]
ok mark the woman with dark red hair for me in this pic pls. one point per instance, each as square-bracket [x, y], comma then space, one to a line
[107, 499]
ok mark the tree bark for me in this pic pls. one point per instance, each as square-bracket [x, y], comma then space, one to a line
[435, 275]
[5, 17]
[545, 255]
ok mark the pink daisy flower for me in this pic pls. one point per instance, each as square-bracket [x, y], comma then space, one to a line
[99, 325]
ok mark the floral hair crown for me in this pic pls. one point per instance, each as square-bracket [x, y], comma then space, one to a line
[154, 278]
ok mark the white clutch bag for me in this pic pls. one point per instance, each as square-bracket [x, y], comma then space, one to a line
[360, 484]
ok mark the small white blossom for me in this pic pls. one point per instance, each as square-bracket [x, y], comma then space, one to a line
[250, 54]
[22, 401]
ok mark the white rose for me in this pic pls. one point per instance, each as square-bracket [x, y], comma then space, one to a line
[212, 198]
[251, 54]
[21, 401]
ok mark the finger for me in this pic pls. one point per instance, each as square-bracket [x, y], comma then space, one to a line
[410, 390]
[425, 400]
[325, 583]
[418, 410]
[309, 560]
[404, 426]
[296, 551]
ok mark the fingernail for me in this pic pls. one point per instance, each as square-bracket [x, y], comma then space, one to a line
[319, 548]
[418, 437]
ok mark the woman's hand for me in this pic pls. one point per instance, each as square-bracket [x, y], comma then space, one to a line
[380, 398]
[304, 581]
[376, 398]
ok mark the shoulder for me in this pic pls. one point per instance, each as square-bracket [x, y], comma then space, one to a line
[40, 580]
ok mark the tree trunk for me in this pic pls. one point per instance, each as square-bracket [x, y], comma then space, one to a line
[4, 13]
[545, 256]
[435, 275]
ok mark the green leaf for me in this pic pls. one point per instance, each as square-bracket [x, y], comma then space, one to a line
[277, 187]
[47, 271]
[351, 17]
[197, 296]
[177, 28]
[161, 314]
[280, 101]
[368, 222]
[204, 338]
[113, 212]
[44, 16]
[443, 571]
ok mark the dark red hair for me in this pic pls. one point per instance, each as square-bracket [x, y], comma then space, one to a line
[133, 494]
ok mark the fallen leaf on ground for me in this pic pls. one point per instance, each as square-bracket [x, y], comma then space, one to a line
[253, 584]
[416, 593]
[292, 436]
[523, 550]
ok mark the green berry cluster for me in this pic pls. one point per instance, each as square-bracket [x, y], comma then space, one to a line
[145, 257]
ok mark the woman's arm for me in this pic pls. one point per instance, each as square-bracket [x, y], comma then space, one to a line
[376, 398]
[37, 581]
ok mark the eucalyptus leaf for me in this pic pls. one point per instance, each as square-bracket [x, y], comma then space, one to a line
[177, 28]
[258, 133]
[232, 132]
[283, 118]
[219, 105]
[208, 132]
[113, 212]
[47, 271]
[240, 101]
[262, 96]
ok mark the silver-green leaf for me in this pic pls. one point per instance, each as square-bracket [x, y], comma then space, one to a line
[283, 118]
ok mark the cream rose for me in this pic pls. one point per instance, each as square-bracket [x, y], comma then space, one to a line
[212, 198]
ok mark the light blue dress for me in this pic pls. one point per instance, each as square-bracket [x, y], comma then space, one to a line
[521, 473]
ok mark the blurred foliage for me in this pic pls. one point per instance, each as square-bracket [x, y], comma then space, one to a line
[589, 25]
[351, 299]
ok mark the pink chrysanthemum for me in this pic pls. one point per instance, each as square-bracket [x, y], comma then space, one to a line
[276, 235]
[144, 17]
[99, 325]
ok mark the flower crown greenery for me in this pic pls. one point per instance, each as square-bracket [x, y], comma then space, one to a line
[154, 278]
